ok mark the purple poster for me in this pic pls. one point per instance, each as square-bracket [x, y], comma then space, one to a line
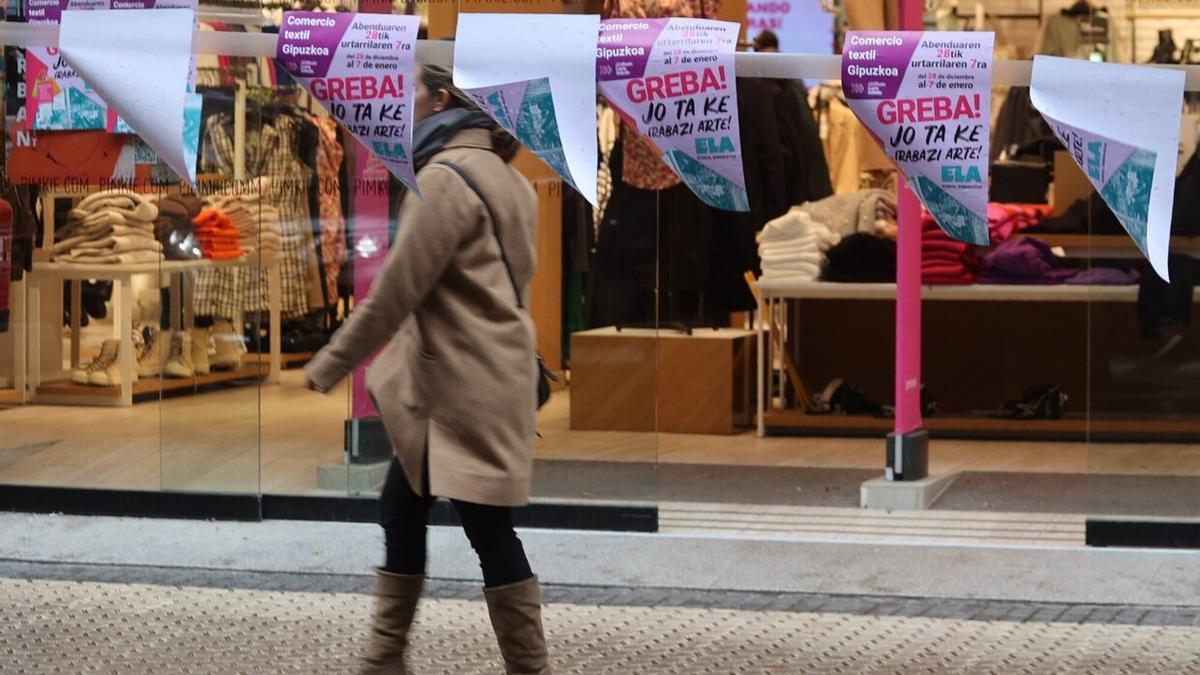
[360, 68]
[926, 98]
[56, 97]
[673, 81]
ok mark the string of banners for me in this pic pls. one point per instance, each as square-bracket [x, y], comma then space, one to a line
[925, 97]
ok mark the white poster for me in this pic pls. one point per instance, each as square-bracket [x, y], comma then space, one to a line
[138, 61]
[1121, 125]
[535, 74]
[926, 98]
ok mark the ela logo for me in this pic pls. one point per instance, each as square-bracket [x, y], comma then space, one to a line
[389, 150]
[1095, 160]
[953, 173]
[712, 146]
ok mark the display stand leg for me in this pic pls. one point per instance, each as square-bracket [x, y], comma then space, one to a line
[34, 322]
[187, 298]
[124, 319]
[274, 305]
[76, 320]
[175, 297]
[761, 372]
[20, 347]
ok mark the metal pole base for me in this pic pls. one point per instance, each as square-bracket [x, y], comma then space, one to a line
[907, 456]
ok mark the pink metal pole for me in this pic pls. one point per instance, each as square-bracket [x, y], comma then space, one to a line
[908, 281]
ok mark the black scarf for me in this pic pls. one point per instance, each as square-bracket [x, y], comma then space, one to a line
[432, 133]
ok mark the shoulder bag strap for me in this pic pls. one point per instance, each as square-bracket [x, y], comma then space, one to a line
[495, 227]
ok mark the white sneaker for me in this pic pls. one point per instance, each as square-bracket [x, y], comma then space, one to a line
[179, 364]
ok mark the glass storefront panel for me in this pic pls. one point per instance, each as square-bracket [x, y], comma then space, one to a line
[1053, 393]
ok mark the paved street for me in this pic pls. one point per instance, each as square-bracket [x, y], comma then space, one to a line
[108, 618]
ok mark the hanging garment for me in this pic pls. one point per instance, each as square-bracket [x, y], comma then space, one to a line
[1162, 304]
[872, 14]
[850, 149]
[812, 149]
[1019, 125]
[1185, 218]
[1060, 36]
[765, 146]
[21, 199]
[333, 222]
[608, 127]
[284, 186]
[6, 239]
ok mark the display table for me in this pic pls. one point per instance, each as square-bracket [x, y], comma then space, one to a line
[772, 379]
[180, 284]
[661, 380]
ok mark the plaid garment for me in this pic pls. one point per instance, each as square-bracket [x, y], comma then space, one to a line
[271, 156]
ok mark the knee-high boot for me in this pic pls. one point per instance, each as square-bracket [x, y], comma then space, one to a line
[516, 613]
[396, 599]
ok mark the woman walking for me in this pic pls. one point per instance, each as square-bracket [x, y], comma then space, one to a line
[455, 384]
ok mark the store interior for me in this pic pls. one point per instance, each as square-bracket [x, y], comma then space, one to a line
[1060, 374]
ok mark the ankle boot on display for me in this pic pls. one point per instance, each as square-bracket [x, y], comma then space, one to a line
[516, 613]
[108, 355]
[200, 347]
[228, 347]
[108, 373]
[179, 364]
[396, 597]
[153, 353]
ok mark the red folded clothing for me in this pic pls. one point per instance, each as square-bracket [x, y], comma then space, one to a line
[937, 280]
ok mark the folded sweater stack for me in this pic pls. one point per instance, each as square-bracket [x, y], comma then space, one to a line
[1005, 220]
[870, 211]
[945, 261]
[792, 247]
[256, 221]
[114, 227]
[217, 235]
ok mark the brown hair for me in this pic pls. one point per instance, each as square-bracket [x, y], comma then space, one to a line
[438, 78]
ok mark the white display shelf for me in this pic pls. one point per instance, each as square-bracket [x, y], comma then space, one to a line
[826, 290]
[74, 270]
[180, 284]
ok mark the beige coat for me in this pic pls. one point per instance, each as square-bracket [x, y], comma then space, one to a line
[458, 366]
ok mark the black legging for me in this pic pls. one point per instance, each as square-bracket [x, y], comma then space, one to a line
[404, 516]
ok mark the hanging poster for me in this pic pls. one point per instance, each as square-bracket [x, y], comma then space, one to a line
[110, 49]
[673, 81]
[926, 98]
[55, 96]
[1121, 125]
[360, 68]
[535, 74]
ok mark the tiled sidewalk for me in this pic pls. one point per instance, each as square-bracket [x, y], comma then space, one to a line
[70, 618]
